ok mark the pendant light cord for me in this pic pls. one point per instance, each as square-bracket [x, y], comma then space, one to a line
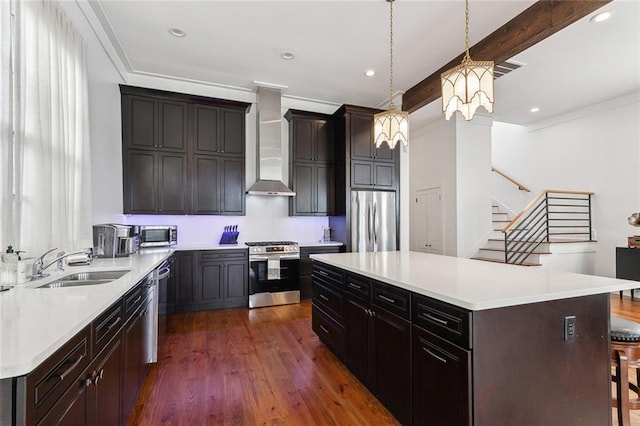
[391, 106]
[467, 57]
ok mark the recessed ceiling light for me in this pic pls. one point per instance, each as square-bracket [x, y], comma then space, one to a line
[287, 55]
[369, 73]
[602, 16]
[534, 109]
[177, 32]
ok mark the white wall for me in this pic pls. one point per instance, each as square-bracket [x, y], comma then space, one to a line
[473, 183]
[596, 149]
[266, 217]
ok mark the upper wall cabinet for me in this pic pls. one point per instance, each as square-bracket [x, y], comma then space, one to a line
[311, 163]
[182, 154]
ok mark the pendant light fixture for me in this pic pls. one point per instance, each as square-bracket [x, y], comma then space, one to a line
[469, 85]
[391, 126]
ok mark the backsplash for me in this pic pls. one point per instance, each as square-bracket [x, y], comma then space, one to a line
[267, 219]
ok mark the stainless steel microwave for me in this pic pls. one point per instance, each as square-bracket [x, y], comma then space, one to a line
[156, 235]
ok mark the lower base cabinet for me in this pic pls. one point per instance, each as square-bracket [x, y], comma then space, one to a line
[305, 266]
[95, 377]
[211, 279]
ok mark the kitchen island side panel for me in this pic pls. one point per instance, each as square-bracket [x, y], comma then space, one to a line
[525, 373]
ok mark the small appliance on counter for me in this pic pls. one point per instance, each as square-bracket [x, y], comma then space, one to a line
[230, 235]
[113, 240]
[156, 235]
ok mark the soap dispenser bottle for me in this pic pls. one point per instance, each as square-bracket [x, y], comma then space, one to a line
[9, 270]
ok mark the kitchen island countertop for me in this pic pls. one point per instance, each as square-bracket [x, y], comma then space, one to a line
[35, 322]
[472, 284]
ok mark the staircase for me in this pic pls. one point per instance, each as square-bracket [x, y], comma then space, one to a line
[566, 254]
[493, 250]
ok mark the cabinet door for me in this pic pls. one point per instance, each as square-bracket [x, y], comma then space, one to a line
[206, 184]
[104, 402]
[303, 186]
[133, 365]
[384, 153]
[362, 174]
[358, 340]
[324, 145]
[236, 282]
[206, 129]
[232, 138]
[441, 381]
[173, 183]
[139, 122]
[173, 126]
[185, 283]
[233, 186]
[392, 371]
[361, 137]
[303, 138]
[140, 176]
[323, 190]
[384, 174]
[70, 409]
[211, 279]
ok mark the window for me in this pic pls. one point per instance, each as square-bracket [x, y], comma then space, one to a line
[45, 161]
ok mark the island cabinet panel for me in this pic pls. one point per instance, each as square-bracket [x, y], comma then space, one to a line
[441, 381]
[521, 359]
[104, 403]
[378, 339]
[306, 266]
[182, 154]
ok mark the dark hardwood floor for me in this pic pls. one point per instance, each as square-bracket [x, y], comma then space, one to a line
[251, 367]
[263, 366]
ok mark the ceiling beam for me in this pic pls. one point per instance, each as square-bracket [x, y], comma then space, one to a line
[539, 21]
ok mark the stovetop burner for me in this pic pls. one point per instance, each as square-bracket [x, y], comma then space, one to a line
[271, 243]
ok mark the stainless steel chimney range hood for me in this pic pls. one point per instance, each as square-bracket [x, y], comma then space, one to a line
[269, 164]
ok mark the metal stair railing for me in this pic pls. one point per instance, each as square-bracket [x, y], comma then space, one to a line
[551, 215]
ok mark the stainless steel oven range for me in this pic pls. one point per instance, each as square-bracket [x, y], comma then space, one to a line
[273, 273]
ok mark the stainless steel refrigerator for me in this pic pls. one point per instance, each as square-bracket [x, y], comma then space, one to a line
[373, 221]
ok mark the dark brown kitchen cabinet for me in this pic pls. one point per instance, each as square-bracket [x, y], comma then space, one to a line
[441, 381]
[369, 174]
[182, 154]
[185, 278]
[311, 163]
[104, 387]
[379, 342]
[313, 185]
[157, 182]
[134, 362]
[211, 279]
[361, 135]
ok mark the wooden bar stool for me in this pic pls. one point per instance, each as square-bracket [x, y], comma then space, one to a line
[625, 353]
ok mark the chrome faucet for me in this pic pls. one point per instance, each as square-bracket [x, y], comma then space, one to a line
[39, 266]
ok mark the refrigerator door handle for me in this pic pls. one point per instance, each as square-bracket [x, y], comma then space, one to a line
[368, 224]
[375, 225]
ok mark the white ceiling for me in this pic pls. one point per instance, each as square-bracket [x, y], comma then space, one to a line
[234, 43]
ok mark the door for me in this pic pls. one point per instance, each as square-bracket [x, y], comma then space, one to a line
[384, 221]
[429, 221]
[361, 225]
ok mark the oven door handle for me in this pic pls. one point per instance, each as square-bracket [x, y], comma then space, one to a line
[258, 258]
[164, 273]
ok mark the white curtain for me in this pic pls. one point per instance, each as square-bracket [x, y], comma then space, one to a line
[52, 177]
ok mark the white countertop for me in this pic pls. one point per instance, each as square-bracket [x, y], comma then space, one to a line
[472, 284]
[35, 322]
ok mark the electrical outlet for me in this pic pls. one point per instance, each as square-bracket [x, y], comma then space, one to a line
[569, 327]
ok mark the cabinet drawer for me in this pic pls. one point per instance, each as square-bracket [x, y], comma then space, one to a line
[106, 326]
[329, 299]
[49, 381]
[222, 255]
[329, 331]
[133, 300]
[447, 321]
[327, 275]
[358, 286]
[393, 299]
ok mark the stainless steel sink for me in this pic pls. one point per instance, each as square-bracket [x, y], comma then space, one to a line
[84, 278]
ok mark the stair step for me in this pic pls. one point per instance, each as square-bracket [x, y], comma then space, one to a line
[502, 250]
[486, 259]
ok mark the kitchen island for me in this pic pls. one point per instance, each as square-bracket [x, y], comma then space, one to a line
[452, 341]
